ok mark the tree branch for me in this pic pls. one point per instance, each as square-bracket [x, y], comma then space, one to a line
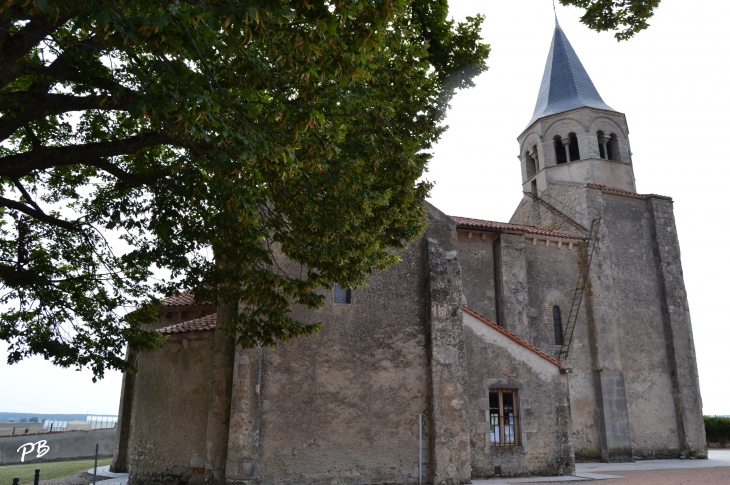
[38, 214]
[26, 195]
[34, 106]
[22, 164]
[15, 47]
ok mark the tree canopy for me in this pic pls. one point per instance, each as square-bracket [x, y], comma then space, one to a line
[198, 138]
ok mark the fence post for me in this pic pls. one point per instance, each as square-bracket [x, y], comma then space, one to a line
[37, 477]
[96, 459]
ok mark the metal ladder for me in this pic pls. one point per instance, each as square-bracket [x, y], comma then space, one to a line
[589, 250]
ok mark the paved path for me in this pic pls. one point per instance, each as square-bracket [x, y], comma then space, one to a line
[604, 471]
[585, 472]
[110, 478]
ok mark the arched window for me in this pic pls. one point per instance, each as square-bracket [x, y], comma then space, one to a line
[559, 150]
[530, 165]
[601, 142]
[613, 151]
[557, 326]
[574, 152]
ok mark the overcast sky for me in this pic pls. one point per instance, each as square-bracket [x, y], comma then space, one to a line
[672, 83]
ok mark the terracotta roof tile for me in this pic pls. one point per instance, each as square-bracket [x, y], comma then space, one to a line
[511, 336]
[469, 223]
[186, 298]
[202, 324]
[625, 192]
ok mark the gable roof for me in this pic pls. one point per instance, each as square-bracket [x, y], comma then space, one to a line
[511, 336]
[469, 223]
[565, 83]
[202, 324]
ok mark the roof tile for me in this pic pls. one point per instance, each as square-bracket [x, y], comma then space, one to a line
[469, 223]
[511, 336]
[611, 190]
[202, 324]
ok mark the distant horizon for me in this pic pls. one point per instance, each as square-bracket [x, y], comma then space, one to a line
[5, 415]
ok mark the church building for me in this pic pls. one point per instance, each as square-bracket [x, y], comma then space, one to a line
[493, 348]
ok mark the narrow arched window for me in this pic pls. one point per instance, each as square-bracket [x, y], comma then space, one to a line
[559, 150]
[601, 142]
[557, 326]
[574, 151]
[531, 167]
[613, 151]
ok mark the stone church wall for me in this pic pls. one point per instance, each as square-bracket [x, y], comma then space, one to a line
[552, 274]
[644, 360]
[496, 362]
[476, 257]
[342, 405]
[170, 410]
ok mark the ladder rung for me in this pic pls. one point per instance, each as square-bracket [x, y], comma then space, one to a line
[590, 247]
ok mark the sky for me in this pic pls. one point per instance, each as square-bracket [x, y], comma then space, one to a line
[672, 83]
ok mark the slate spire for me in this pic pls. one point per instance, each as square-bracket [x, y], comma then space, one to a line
[565, 83]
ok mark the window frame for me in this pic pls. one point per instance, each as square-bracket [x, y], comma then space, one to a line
[497, 426]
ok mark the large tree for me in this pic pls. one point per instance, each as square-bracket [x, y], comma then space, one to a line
[195, 138]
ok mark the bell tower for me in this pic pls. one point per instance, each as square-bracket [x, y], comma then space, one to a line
[573, 137]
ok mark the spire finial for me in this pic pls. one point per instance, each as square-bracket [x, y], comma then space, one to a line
[556, 13]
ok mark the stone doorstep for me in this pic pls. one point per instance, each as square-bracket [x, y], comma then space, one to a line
[109, 478]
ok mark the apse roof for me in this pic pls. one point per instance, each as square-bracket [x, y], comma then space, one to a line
[565, 83]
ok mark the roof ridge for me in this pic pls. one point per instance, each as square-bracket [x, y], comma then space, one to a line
[512, 336]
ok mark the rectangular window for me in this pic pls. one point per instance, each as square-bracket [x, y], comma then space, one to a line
[503, 417]
[342, 295]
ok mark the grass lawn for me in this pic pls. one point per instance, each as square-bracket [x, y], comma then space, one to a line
[48, 470]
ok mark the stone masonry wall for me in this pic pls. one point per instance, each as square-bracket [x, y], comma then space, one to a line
[678, 330]
[476, 258]
[341, 406]
[170, 411]
[543, 409]
[640, 331]
[565, 199]
[553, 274]
[449, 400]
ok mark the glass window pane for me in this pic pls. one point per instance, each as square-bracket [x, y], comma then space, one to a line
[342, 295]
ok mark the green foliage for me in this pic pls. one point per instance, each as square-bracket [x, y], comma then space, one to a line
[23, 420]
[33, 420]
[209, 137]
[717, 429]
[629, 17]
